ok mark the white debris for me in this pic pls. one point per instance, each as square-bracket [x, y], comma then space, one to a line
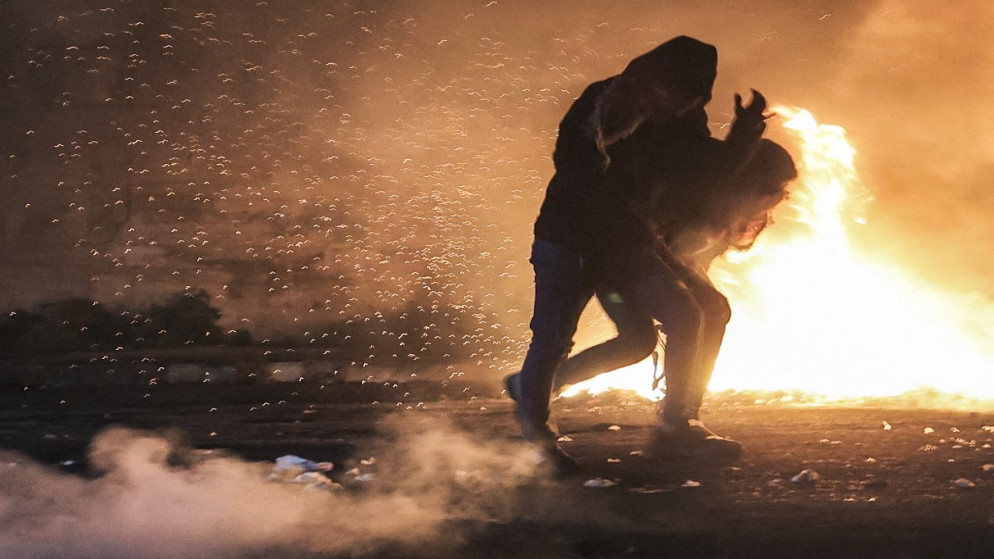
[928, 430]
[599, 482]
[691, 483]
[294, 469]
[614, 428]
[807, 476]
[963, 483]
[290, 463]
[989, 468]
[887, 426]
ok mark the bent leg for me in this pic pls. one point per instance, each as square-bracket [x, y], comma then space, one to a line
[663, 294]
[635, 341]
[717, 313]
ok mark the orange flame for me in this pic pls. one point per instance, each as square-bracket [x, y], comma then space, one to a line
[812, 315]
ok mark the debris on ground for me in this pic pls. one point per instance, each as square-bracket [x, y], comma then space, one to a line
[806, 477]
[294, 469]
[963, 483]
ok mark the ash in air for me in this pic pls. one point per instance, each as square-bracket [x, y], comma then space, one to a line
[373, 170]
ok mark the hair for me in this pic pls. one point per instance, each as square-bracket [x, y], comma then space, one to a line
[769, 168]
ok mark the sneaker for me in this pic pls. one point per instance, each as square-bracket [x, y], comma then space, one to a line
[690, 438]
[512, 383]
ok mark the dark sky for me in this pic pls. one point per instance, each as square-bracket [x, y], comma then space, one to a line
[306, 162]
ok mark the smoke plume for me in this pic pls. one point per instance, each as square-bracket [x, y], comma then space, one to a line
[155, 498]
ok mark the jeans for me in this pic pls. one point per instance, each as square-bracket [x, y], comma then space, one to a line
[561, 293]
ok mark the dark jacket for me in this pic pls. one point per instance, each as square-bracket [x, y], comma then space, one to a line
[565, 216]
[582, 212]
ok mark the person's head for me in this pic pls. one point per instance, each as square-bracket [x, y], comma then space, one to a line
[683, 62]
[768, 171]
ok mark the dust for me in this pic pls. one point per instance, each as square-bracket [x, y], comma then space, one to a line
[153, 497]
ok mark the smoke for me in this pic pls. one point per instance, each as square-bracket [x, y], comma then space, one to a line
[155, 498]
[309, 163]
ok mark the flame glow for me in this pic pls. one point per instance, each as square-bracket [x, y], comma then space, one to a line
[812, 314]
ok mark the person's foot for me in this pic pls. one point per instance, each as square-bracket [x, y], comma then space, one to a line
[690, 438]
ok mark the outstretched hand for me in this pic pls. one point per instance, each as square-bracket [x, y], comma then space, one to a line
[753, 113]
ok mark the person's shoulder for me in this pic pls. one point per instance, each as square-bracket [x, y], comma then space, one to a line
[596, 88]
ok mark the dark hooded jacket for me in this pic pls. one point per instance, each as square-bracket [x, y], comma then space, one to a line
[581, 211]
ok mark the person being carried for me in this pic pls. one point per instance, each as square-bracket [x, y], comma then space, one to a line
[705, 206]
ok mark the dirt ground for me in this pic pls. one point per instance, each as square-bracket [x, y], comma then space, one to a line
[891, 482]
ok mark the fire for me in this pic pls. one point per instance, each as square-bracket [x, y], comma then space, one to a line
[813, 315]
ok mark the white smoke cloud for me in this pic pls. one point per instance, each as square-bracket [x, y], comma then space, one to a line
[157, 499]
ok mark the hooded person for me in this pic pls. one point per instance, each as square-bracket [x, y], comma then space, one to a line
[574, 228]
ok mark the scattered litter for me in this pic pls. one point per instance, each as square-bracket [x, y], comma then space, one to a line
[649, 490]
[886, 425]
[635, 453]
[565, 439]
[368, 461]
[963, 483]
[871, 460]
[599, 482]
[294, 469]
[613, 460]
[291, 463]
[988, 428]
[928, 448]
[614, 428]
[874, 483]
[691, 483]
[806, 477]
[315, 480]
[989, 468]
[928, 430]
[954, 429]
[68, 463]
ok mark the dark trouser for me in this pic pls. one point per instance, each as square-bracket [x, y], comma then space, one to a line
[635, 341]
[561, 293]
[693, 315]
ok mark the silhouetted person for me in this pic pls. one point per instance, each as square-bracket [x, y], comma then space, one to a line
[584, 220]
[706, 203]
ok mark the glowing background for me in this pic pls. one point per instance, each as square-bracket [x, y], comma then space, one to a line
[314, 162]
